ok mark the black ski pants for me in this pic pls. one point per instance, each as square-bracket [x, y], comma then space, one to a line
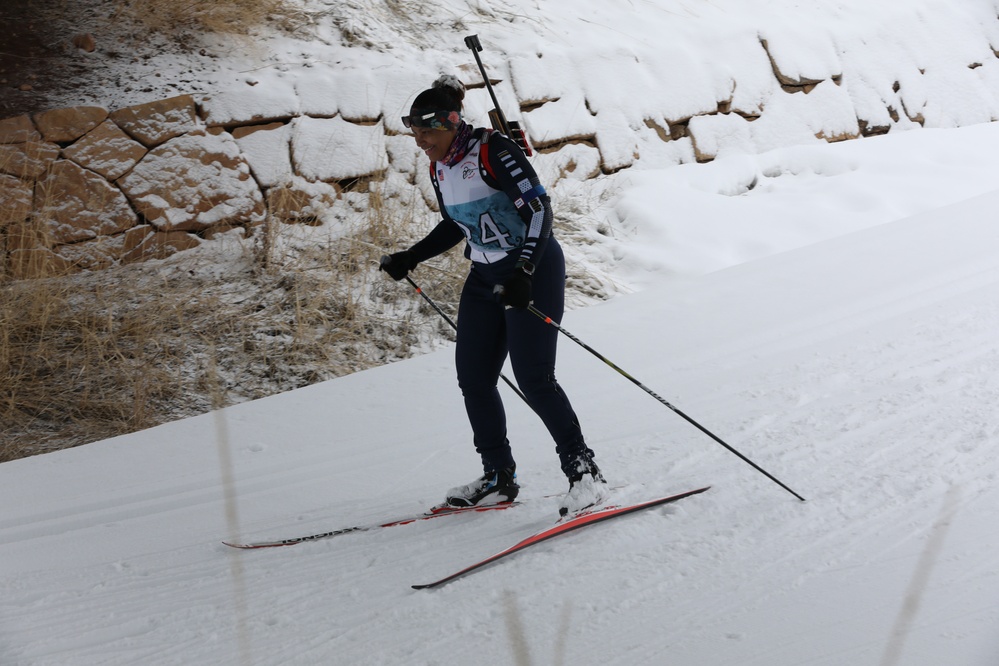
[487, 333]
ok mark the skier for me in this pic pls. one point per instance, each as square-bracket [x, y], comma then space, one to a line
[490, 197]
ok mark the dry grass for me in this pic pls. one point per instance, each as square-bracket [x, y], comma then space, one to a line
[73, 359]
[89, 356]
[212, 16]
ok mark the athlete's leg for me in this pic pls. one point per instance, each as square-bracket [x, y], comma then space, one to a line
[532, 344]
[480, 352]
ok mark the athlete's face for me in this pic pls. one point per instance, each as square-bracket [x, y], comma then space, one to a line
[434, 142]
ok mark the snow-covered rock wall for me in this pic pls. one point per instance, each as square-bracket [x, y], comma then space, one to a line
[85, 188]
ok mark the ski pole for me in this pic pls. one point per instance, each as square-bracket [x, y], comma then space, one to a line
[548, 320]
[455, 327]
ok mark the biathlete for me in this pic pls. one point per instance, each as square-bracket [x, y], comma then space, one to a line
[491, 197]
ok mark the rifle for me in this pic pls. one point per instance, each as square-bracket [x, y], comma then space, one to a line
[510, 128]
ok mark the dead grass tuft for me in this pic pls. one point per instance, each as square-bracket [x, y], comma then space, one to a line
[211, 16]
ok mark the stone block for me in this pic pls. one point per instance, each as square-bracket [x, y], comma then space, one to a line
[69, 124]
[160, 245]
[16, 198]
[194, 182]
[266, 149]
[73, 204]
[25, 236]
[246, 103]
[107, 150]
[96, 255]
[27, 160]
[240, 132]
[301, 200]
[157, 122]
[331, 149]
[18, 130]
[105, 251]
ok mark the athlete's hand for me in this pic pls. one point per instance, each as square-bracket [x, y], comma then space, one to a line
[516, 291]
[397, 265]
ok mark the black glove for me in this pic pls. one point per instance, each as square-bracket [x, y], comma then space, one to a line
[398, 265]
[516, 291]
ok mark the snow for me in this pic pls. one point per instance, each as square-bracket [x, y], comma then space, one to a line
[860, 370]
[244, 101]
[334, 149]
[267, 153]
[829, 310]
[199, 168]
[749, 206]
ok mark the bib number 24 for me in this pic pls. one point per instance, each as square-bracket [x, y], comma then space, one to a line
[489, 233]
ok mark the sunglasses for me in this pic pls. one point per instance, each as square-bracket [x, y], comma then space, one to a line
[438, 120]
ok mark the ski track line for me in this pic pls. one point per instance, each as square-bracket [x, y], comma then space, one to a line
[163, 499]
[127, 588]
[860, 520]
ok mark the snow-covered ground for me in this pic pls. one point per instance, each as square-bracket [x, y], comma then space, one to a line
[828, 310]
[862, 370]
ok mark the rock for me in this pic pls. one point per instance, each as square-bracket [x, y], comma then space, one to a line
[18, 129]
[872, 129]
[134, 238]
[558, 122]
[27, 160]
[267, 150]
[712, 135]
[16, 198]
[221, 230]
[73, 204]
[95, 255]
[106, 150]
[789, 82]
[29, 255]
[615, 139]
[335, 149]
[194, 182]
[160, 245]
[245, 104]
[85, 42]
[69, 124]
[105, 251]
[240, 132]
[24, 236]
[156, 122]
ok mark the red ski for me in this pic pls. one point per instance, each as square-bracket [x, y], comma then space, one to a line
[583, 519]
[436, 512]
